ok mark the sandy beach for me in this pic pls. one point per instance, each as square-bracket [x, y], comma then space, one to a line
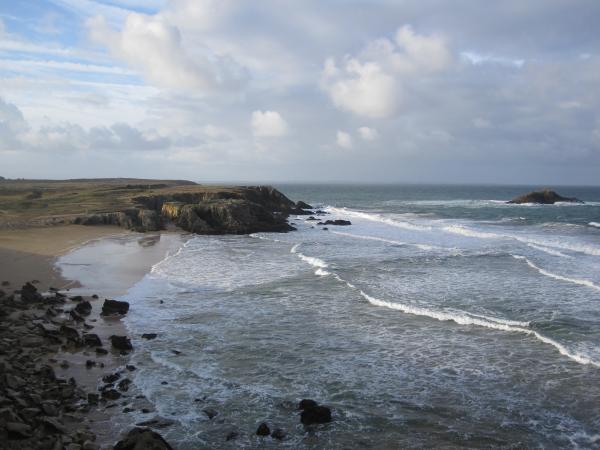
[87, 264]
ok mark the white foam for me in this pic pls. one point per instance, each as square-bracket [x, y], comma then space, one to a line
[379, 218]
[315, 262]
[389, 241]
[548, 250]
[467, 320]
[594, 224]
[579, 281]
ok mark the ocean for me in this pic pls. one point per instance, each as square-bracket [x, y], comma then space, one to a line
[442, 317]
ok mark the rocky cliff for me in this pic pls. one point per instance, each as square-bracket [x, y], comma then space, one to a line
[237, 210]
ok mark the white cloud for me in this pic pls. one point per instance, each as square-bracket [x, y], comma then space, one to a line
[153, 46]
[268, 124]
[344, 140]
[368, 134]
[371, 83]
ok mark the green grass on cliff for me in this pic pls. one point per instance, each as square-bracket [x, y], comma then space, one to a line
[41, 202]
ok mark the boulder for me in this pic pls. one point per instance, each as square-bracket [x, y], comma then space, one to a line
[92, 340]
[111, 307]
[30, 294]
[149, 336]
[545, 197]
[70, 333]
[121, 342]
[313, 413]
[278, 434]
[263, 430]
[84, 308]
[142, 439]
[17, 430]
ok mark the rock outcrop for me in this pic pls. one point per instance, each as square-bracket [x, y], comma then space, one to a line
[238, 210]
[545, 197]
[142, 439]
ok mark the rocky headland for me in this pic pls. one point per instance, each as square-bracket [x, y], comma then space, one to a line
[147, 205]
[545, 197]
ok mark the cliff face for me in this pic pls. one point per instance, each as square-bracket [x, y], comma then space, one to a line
[237, 210]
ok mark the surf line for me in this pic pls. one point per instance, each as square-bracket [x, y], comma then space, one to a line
[459, 317]
[544, 272]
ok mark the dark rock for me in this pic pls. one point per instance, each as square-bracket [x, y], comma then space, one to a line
[84, 308]
[124, 384]
[149, 336]
[210, 413]
[307, 403]
[6, 283]
[303, 205]
[17, 430]
[93, 398]
[30, 294]
[111, 307]
[177, 352]
[338, 222]
[121, 342]
[142, 439]
[278, 433]
[75, 316]
[263, 430]
[130, 367]
[70, 333]
[315, 414]
[157, 422]
[110, 394]
[164, 382]
[53, 424]
[545, 197]
[232, 435]
[325, 229]
[90, 363]
[77, 298]
[111, 378]
[95, 296]
[312, 218]
[92, 340]
[101, 351]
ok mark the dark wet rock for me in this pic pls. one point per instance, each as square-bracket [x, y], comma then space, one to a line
[111, 378]
[149, 336]
[142, 439]
[101, 351]
[84, 308]
[92, 340]
[157, 422]
[30, 294]
[325, 229]
[130, 367]
[278, 433]
[545, 197]
[121, 342]
[95, 296]
[164, 382]
[77, 298]
[303, 205]
[111, 307]
[124, 384]
[210, 413]
[307, 403]
[93, 398]
[64, 364]
[231, 436]
[70, 333]
[312, 218]
[315, 415]
[263, 430]
[6, 283]
[17, 430]
[54, 425]
[110, 394]
[75, 316]
[177, 352]
[90, 363]
[337, 222]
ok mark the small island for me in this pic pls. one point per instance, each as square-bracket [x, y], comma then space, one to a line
[545, 197]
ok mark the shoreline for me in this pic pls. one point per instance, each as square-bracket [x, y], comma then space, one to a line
[83, 265]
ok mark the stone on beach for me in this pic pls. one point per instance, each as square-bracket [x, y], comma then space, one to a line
[121, 342]
[111, 307]
[142, 439]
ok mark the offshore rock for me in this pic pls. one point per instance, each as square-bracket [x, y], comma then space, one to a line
[545, 197]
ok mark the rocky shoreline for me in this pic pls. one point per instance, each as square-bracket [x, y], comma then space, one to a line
[40, 409]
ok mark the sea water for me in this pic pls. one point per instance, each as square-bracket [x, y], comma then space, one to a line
[441, 317]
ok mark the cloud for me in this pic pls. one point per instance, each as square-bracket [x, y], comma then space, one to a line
[368, 134]
[371, 83]
[268, 124]
[344, 140]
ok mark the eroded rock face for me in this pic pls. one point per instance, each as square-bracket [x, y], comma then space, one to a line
[545, 197]
[133, 219]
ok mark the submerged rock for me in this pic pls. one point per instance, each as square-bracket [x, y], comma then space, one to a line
[545, 197]
[263, 430]
[338, 222]
[313, 413]
[142, 439]
[149, 336]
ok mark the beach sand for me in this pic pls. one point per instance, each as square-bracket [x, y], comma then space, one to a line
[88, 261]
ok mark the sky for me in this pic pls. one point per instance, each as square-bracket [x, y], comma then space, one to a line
[416, 91]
